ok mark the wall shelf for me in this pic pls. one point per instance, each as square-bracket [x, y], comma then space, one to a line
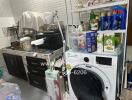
[112, 31]
[116, 53]
[100, 6]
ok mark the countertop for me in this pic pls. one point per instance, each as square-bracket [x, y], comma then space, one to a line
[43, 54]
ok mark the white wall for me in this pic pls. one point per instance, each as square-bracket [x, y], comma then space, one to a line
[19, 6]
[5, 22]
[5, 9]
[6, 19]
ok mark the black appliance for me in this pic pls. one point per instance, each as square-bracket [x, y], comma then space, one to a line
[52, 40]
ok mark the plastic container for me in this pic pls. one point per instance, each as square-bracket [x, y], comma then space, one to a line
[82, 43]
[102, 21]
[119, 17]
[74, 43]
[9, 91]
[109, 21]
[114, 21]
[26, 43]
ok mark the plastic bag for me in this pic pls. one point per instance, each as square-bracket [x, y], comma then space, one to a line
[9, 91]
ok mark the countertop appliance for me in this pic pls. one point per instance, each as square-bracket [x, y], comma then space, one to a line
[92, 76]
[52, 40]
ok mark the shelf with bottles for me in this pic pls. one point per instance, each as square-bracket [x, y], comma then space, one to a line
[87, 6]
[110, 20]
[96, 43]
[113, 31]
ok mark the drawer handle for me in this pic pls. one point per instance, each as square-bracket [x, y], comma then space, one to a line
[34, 71]
[36, 82]
[34, 63]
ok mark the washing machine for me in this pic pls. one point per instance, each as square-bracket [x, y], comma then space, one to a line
[91, 76]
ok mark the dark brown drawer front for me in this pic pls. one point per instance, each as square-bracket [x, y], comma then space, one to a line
[36, 62]
[37, 81]
[37, 70]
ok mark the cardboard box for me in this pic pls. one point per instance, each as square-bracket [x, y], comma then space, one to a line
[109, 42]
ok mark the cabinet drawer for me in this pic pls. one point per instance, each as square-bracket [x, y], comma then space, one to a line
[36, 62]
[37, 70]
[37, 81]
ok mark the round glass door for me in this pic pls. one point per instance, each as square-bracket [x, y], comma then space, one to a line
[86, 85]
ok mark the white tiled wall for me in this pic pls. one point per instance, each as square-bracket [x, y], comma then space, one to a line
[6, 19]
[5, 9]
[19, 6]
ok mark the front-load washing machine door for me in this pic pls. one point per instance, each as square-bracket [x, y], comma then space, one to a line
[86, 85]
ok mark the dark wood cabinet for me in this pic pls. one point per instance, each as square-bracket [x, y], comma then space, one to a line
[36, 72]
[130, 25]
[15, 65]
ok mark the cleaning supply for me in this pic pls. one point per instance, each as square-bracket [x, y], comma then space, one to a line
[109, 21]
[81, 27]
[119, 17]
[91, 42]
[109, 42]
[100, 43]
[103, 21]
[123, 18]
[93, 22]
[82, 43]
[74, 43]
[114, 21]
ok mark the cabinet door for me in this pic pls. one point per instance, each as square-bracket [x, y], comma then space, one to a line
[21, 73]
[130, 25]
[15, 65]
[10, 63]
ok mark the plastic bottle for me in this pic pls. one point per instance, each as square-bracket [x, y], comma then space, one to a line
[123, 18]
[102, 21]
[114, 20]
[9, 91]
[109, 21]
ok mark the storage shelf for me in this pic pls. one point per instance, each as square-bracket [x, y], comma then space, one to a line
[99, 53]
[99, 6]
[130, 83]
[109, 31]
[112, 31]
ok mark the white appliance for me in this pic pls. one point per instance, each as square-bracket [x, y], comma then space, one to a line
[91, 74]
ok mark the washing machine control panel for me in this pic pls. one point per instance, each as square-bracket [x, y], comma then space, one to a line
[104, 61]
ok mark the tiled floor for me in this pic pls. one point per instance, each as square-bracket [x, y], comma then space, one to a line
[31, 93]
[28, 92]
